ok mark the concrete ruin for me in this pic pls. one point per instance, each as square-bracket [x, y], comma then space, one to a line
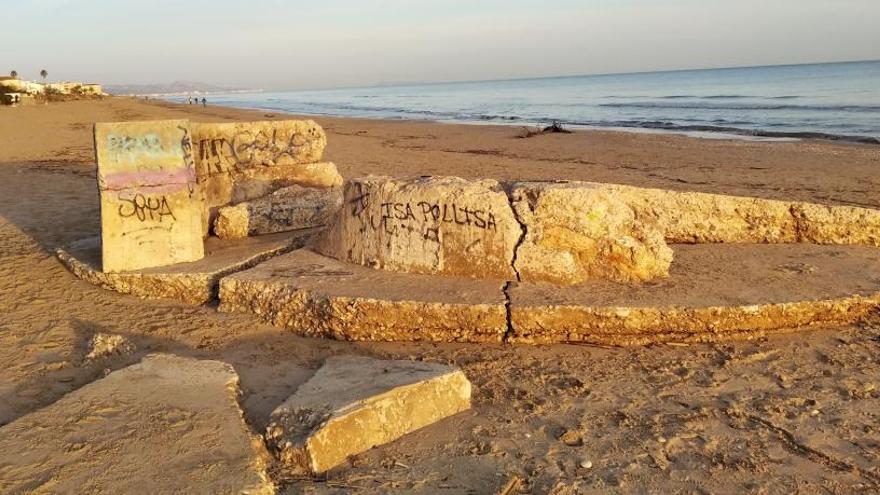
[353, 404]
[151, 205]
[564, 233]
[157, 198]
[441, 226]
[575, 240]
[167, 424]
[451, 259]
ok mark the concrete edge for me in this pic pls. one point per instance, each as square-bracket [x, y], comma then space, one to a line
[189, 288]
[641, 325]
[311, 314]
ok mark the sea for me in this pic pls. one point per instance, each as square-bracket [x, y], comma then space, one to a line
[836, 101]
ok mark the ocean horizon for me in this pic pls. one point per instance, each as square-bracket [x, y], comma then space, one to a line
[835, 101]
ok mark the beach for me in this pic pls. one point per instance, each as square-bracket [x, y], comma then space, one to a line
[787, 413]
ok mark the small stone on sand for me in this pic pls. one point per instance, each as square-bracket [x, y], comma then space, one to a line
[104, 345]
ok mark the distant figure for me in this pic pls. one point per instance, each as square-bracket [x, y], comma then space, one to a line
[189, 100]
[204, 102]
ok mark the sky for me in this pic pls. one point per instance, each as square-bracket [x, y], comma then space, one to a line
[276, 44]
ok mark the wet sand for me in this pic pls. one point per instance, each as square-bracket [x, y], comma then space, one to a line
[794, 412]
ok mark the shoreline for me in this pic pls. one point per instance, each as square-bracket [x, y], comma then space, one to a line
[661, 128]
[59, 135]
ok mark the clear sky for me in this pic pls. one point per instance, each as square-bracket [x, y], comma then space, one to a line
[277, 44]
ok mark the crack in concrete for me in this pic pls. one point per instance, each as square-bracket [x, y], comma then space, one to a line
[508, 284]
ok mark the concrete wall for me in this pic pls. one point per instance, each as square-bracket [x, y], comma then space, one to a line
[563, 232]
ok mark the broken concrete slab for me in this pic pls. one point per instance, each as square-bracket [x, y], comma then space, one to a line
[353, 404]
[227, 153]
[314, 295]
[288, 208]
[443, 225]
[152, 209]
[192, 283]
[167, 425]
[575, 232]
[714, 292]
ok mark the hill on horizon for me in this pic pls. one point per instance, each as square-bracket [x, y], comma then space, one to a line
[176, 87]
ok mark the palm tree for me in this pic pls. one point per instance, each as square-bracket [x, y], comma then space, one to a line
[43, 74]
[13, 73]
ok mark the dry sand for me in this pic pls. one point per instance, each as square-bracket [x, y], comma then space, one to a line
[792, 413]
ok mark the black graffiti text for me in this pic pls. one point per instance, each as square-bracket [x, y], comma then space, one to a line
[153, 208]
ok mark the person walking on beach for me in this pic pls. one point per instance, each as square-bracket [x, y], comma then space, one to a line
[204, 102]
[189, 100]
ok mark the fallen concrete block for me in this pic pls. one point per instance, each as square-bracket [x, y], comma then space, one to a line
[152, 209]
[165, 425]
[289, 208]
[447, 225]
[192, 283]
[575, 232]
[353, 404]
[317, 296]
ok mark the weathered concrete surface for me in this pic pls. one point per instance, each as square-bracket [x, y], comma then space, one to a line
[152, 209]
[165, 425]
[714, 292]
[690, 217]
[192, 283]
[353, 404]
[443, 225]
[289, 208]
[821, 224]
[319, 174]
[318, 296]
[225, 147]
[266, 155]
[577, 232]
[562, 232]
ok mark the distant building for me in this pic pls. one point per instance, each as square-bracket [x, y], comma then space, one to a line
[74, 88]
[91, 89]
[14, 85]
